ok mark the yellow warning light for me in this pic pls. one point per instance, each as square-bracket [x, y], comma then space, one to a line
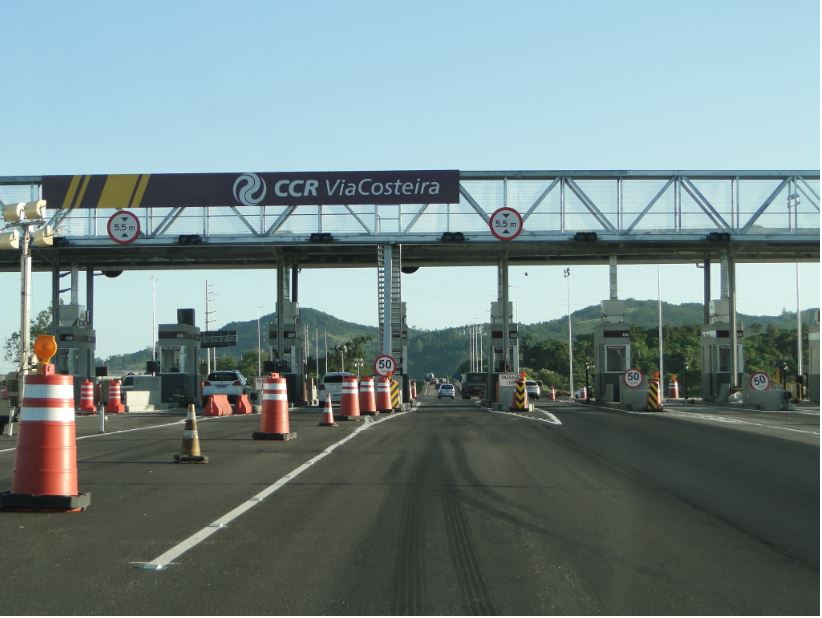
[45, 346]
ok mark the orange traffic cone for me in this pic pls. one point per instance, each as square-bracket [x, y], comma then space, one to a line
[190, 450]
[328, 416]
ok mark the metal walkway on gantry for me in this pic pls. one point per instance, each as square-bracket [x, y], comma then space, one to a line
[568, 217]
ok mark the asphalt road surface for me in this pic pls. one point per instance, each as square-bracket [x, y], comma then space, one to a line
[449, 509]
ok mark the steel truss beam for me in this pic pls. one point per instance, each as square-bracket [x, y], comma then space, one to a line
[675, 209]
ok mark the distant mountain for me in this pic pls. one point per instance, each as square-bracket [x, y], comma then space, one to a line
[441, 351]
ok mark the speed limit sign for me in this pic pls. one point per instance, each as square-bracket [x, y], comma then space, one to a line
[760, 381]
[632, 378]
[385, 365]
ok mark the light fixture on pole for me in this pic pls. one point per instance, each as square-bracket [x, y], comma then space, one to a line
[567, 274]
[29, 217]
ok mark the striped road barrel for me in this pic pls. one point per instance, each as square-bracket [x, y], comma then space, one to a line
[274, 424]
[368, 401]
[349, 400]
[87, 397]
[384, 395]
[114, 405]
[45, 471]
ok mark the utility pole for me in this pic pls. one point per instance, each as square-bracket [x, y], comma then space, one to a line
[209, 294]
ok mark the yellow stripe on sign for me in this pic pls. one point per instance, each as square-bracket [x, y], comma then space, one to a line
[117, 191]
[82, 192]
[72, 189]
[141, 189]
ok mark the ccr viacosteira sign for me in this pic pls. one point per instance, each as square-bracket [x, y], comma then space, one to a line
[251, 189]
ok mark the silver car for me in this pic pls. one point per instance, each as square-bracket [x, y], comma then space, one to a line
[446, 390]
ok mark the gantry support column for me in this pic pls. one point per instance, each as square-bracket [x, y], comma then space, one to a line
[502, 277]
[731, 268]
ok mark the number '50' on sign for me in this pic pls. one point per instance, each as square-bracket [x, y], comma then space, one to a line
[384, 365]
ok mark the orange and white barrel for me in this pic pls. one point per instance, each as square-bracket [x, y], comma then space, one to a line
[383, 394]
[114, 405]
[368, 401]
[553, 395]
[87, 397]
[673, 389]
[413, 389]
[274, 418]
[349, 397]
[46, 463]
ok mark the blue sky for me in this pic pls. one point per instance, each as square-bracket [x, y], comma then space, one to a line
[97, 87]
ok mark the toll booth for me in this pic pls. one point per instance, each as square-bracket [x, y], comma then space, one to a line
[291, 363]
[75, 343]
[716, 352]
[813, 360]
[178, 346]
[498, 340]
[612, 351]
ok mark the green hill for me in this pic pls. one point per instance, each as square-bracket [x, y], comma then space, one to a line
[442, 351]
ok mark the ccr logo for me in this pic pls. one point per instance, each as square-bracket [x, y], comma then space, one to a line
[249, 189]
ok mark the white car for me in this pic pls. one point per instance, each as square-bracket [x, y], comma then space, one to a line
[532, 388]
[332, 383]
[226, 382]
[446, 390]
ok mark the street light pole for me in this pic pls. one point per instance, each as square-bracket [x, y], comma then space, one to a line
[567, 274]
[259, 345]
[25, 305]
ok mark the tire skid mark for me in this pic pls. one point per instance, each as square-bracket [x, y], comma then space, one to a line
[408, 581]
[469, 575]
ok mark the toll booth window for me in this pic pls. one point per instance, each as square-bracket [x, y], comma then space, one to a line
[67, 364]
[173, 360]
[615, 358]
[724, 365]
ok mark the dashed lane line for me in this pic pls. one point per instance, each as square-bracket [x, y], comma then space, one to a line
[168, 558]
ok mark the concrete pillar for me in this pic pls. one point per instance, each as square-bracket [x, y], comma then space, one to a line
[387, 255]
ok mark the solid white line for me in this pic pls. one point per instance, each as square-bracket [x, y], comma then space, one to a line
[737, 421]
[167, 558]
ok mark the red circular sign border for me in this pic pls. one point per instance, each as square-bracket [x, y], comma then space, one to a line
[123, 242]
[632, 369]
[750, 381]
[494, 214]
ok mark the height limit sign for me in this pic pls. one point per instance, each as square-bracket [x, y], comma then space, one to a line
[123, 227]
[505, 223]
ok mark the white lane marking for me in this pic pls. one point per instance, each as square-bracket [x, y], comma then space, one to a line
[721, 419]
[168, 558]
[551, 420]
[113, 433]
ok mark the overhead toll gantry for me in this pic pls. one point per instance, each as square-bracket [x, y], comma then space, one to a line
[399, 221]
